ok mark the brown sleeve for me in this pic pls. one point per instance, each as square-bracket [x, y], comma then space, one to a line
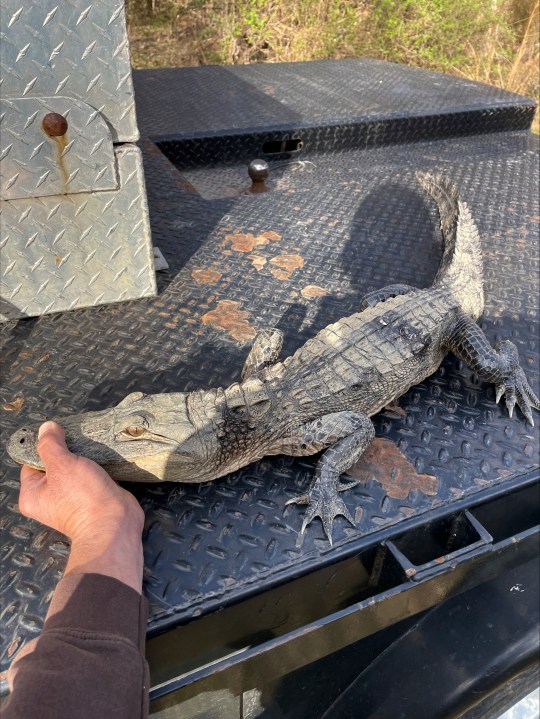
[89, 660]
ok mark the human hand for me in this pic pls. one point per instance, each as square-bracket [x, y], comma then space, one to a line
[77, 497]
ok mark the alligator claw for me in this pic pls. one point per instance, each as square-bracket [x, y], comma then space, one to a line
[517, 391]
[324, 502]
[510, 401]
[302, 499]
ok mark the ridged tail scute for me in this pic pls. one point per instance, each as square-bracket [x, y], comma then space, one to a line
[461, 269]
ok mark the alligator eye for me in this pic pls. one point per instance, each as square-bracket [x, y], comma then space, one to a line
[135, 431]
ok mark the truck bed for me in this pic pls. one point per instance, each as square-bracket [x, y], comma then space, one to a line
[345, 216]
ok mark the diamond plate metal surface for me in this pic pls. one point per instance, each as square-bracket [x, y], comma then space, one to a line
[75, 229]
[242, 100]
[32, 164]
[73, 49]
[297, 258]
[232, 115]
[80, 250]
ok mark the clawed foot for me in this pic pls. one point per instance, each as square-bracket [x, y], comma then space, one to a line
[324, 501]
[515, 387]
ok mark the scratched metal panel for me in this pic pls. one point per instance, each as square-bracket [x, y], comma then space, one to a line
[65, 251]
[297, 259]
[32, 164]
[74, 49]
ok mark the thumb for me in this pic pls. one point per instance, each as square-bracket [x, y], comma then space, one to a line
[52, 446]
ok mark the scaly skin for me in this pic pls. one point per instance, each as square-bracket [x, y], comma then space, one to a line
[321, 398]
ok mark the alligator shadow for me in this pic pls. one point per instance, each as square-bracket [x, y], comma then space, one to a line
[393, 238]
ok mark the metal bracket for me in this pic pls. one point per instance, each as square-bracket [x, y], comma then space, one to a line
[465, 537]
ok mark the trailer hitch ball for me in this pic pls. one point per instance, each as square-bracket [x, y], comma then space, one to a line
[258, 170]
[54, 125]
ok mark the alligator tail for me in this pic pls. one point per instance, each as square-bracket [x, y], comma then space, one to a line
[461, 269]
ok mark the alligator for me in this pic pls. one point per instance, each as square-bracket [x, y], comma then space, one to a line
[321, 398]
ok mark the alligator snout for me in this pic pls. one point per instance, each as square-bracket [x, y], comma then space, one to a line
[86, 434]
[22, 447]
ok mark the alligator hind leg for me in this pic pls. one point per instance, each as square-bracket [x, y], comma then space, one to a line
[385, 293]
[499, 365]
[265, 351]
[349, 434]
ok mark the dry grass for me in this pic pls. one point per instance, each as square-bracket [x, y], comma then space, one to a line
[516, 70]
[501, 47]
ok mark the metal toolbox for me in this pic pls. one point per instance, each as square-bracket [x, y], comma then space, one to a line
[75, 230]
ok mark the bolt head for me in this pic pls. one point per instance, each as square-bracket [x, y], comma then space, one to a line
[54, 125]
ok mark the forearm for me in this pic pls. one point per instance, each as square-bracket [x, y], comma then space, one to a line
[89, 660]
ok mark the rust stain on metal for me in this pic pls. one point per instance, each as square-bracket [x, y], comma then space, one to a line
[55, 126]
[257, 261]
[285, 265]
[383, 462]
[206, 277]
[395, 408]
[44, 357]
[247, 241]
[186, 185]
[312, 291]
[13, 406]
[60, 139]
[228, 317]
[57, 259]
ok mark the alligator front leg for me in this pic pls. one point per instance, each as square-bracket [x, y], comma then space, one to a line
[348, 434]
[385, 293]
[265, 351]
[499, 365]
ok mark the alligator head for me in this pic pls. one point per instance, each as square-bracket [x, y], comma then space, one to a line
[145, 438]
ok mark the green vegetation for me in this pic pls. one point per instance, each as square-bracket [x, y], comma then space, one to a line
[494, 41]
[434, 33]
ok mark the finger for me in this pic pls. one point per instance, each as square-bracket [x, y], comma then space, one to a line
[52, 446]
